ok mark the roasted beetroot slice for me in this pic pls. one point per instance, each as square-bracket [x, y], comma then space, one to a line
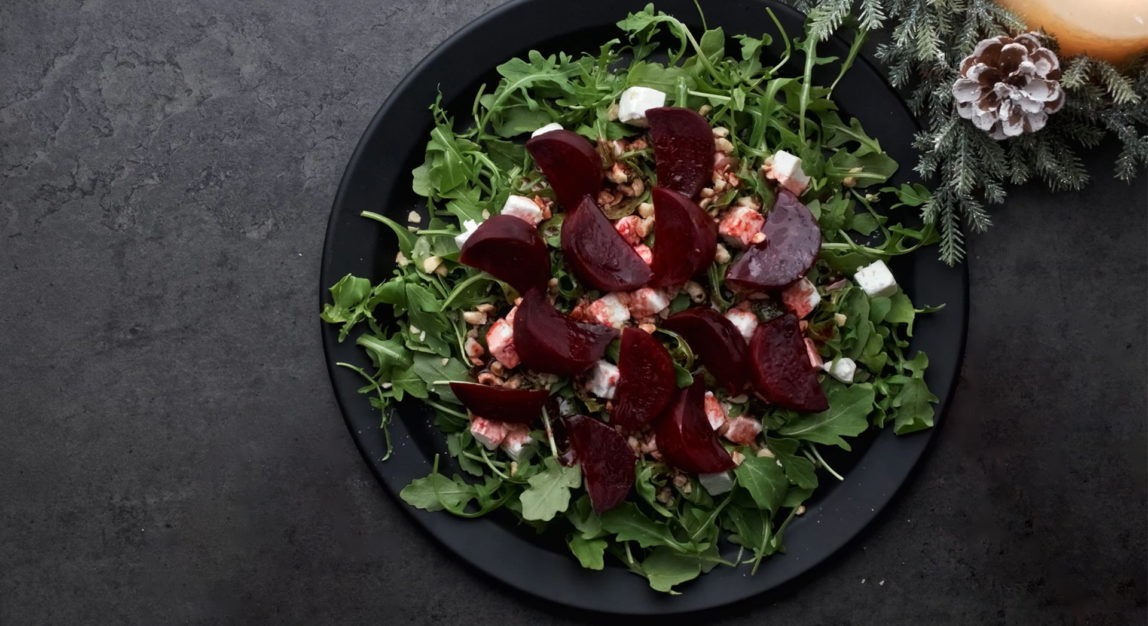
[570, 163]
[685, 238]
[548, 341]
[646, 380]
[792, 243]
[685, 437]
[521, 406]
[510, 250]
[598, 254]
[716, 341]
[607, 461]
[683, 149]
[781, 368]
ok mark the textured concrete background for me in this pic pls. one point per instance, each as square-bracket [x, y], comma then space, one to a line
[170, 450]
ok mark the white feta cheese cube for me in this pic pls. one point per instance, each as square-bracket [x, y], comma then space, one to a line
[647, 301]
[740, 224]
[517, 438]
[634, 102]
[610, 310]
[745, 321]
[468, 228]
[785, 168]
[524, 209]
[876, 280]
[843, 369]
[742, 430]
[603, 380]
[715, 412]
[716, 484]
[545, 129]
[801, 297]
[489, 433]
[500, 342]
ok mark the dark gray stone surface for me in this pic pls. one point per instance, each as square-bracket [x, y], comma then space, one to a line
[170, 450]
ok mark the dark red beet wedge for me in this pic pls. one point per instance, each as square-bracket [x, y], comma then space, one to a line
[685, 437]
[598, 254]
[570, 163]
[716, 341]
[521, 406]
[510, 250]
[792, 243]
[683, 149]
[548, 341]
[685, 238]
[646, 380]
[607, 461]
[781, 368]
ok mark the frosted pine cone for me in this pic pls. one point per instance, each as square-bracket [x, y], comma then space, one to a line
[1009, 86]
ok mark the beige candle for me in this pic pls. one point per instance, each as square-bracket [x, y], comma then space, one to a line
[1107, 29]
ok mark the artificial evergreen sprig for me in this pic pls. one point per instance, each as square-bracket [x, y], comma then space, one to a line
[926, 41]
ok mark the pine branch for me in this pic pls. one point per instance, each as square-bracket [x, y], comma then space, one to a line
[926, 41]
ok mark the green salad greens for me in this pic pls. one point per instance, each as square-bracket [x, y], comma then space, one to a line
[419, 322]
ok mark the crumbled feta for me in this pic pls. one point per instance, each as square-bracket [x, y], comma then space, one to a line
[740, 224]
[715, 412]
[468, 228]
[524, 209]
[742, 430]
[843, 369]
[517, 438]
[487, 432]
[716, 484]
[628, 227]
[745, 321]
[610, 310]
[500, 342]
[647, 301]
[603, 380]
[634, 102]
[545, 129]
[801, 297]
[785, 168]
[876, 280]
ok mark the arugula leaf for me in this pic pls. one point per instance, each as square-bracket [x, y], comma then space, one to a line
[349, 303]
[847, 416]
[912, 406]
[901, 311]
[549, 491]
[435, 372]
[798, 469]
[406, 238]
[436, 491]
[429, 329]
[647, 484]
[589, 552]
[582, 516]
[628, 523]
[666, 567]
[752, 528]
[764, 479]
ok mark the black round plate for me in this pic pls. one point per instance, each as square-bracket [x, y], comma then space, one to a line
[378, 179]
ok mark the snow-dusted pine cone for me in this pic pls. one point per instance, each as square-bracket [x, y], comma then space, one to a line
[1009, 86]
